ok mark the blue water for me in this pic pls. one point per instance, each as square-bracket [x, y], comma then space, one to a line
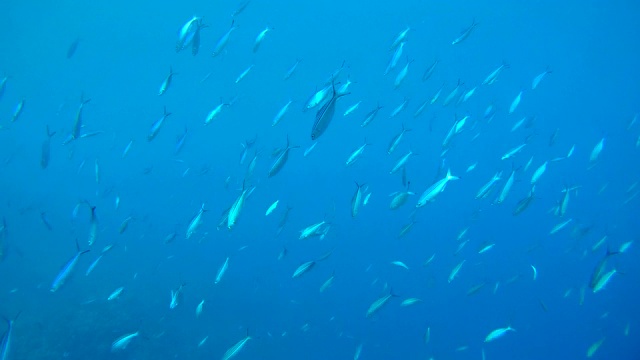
[124, 52]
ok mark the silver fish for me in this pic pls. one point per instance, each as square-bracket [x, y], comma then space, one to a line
[325, 115]
[67, 270]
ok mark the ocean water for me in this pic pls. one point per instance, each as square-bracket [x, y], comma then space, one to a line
[514, 271]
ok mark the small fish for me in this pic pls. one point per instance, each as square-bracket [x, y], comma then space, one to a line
[122, 342]
[260, 38]
[279, 163]
[594, 347]
[452, 94]
[244, 73]
[325, 115]
[595, 153]
[271, 208]
[327, 284]
[167, 82]
[427, 73]
[356, 200]
[93, 226]
[402, 75]
[116, 293]
[292, 69]
[236, 208]
[180, 141]
[310, 148]
[199, 308]
[77, 124]
[67, 270]
[395, 141]
[356, 154]
[175, 297]
[370, 116]
[280, 114]
[195, 222]
[187, 33]
[400, 38]
[379, 303]
[538, 173]
[491, 78]
[394, 59]
[303, 268]
[224, 40]
[400, 264]
[235, 349]
[351, 108]
[515, 103]
[498, 333]
[127, 149]
[455, 271]
[222, 271]
[157, 125]
[465, 33]
[17, 111]
[538, 78]
[435, 189]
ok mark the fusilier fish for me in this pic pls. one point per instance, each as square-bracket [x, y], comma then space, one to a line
[497, 333]
[355, 155]
[370, 116]
[465, 33]
[260, 38]
[224, 40]
[195, 222]
[379, 303]
[536, 81]
[435, 189]
[155, 127]
[395, 141]
[122, 342]
[280, 114]
[67, 270]
[167, 82]
[356, 200]
[325, 115]
[235, 349]
[515, 103]
[222, 271]
[279, 163]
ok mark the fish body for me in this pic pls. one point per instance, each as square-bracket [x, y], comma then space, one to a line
[244, 73]
[379, 303]
[452, 94]
[122, 342]
[509, 154]
[236, 208]
[222, 271]
[93, 226]
[538, 173]
[395, 141]
[356, 200]
[399, 108]
[215, 112]
[180, 141]
[401, 162]
[427, 74]
[536, 81]
[312, 230]
[187, 33]
[455, 271]
[486, 188]
[515, 103]
[195, 222]
[325, 115]
[166, 83]
[77, 123]
[465, 33]
[394, 59]
[491, 78]
[235, 349]
[524, 203]
[352, 108]
[435, 189]
[271, 208]
[400, 38]
[356, 154]
[402, 75]
[318, 97]
[370, 116]
[175, 297]
[603, 280]
[506, 188]
[292, 69]
[260, 38]
[281, 160]
[497, 333]
[157, 125]
[595, 153]
[199, 308]
[303, 268]
[280, 114]
[67, 270]
[399, 198]
[115, 294]
[5, 342]
[224, 40]
[17, 111]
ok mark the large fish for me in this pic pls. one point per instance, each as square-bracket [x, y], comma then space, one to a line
[325, 115]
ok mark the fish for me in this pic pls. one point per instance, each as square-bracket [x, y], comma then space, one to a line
[465, 33]
[17, 111]
[506, 188]
[356, 200]
[455, 271]
[180, 141]
[352, 108]
[244, 73]
[127, 149]
[594, 347]
[400, 264]
[402, 75]
[400, 198]
[410, 301]
[401, 162]
[224, 40]
[511, 153]
[3, 85]
[215, 112]
[325, 115]
[400, 38]
[241, 8]
[536, 81]
[281, 160]
[195, 43]
[67, 269]
[452, 94]
[356, 154]
[436, 96]
[123, 341]
[538, 173]
[45, 154]
[77, 123]
[175, 296]
[370, 116]
[427, 73]
[515, 103]
[327, 284]
[235, 349]
[5, 342]
[167, 82]
[498, 333]
[595, 153]
[488, 187]
[187, 33]
[303, 269]
[195, 222]
[379, 303]
[398, 109]
[115, 294]
[598, 271]
[491, 78]
[236, 208]
[395, 141]
[318, 97]
[199, 308]
[157, 125]
[93, 226]
[394, 59]
[260, 38]
[292, 69]
[312, 230]
[435, 189]
[280, 114]
[222, 271]
[524, 203]
[271, 208]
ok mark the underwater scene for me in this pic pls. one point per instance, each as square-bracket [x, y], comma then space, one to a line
[252, 179]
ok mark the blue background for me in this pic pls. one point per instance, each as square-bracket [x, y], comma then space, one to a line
[124, 53]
